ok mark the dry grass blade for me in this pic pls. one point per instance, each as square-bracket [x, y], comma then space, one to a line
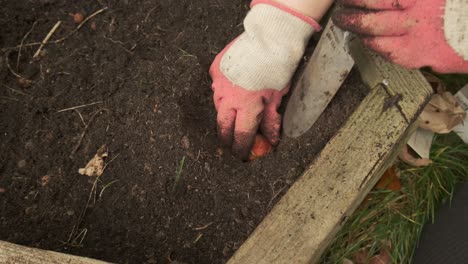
[9, 98]
[7, 60]
[78, 144]
[79, 106]
[46, 39]
[21, 44]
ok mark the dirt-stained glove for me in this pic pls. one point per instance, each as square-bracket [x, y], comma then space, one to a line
[412, 33]
[252, 74]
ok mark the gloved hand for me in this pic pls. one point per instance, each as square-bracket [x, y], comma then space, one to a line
[412, 33]
[252, 74]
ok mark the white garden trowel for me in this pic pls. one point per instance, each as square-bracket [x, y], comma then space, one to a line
[326, 70]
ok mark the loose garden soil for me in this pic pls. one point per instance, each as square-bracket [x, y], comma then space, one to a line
[141, 69]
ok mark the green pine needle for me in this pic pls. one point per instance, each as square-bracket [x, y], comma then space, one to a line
[180, 169]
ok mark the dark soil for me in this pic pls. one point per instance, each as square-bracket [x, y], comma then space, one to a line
[145, 63]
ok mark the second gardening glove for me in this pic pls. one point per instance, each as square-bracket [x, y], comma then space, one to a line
[412, 33]
[253, 73]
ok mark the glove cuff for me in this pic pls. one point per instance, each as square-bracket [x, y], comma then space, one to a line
[455, 26]
[267, 54]
[289, 10]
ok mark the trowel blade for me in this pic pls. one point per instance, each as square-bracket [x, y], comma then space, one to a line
[327, 69]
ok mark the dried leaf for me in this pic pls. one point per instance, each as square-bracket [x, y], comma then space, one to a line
[408, 158]
[383, 257]
[45, 180]
[421, 142]
[24, 83]
[95, 166]
[442, 114]
[361, 257]
[390, 180]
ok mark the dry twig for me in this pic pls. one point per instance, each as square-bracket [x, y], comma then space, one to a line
[61, 39]
[81, 117]
[7, 60]
[16, 90]
[9, 98]
[79, 106]
[21, 44]
[46, 39]
[203, 227]
[78, 144]
[90, 196]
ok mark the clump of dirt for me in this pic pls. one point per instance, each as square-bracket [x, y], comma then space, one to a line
[134, 78]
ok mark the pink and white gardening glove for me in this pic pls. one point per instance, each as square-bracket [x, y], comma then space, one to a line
[253, 73]
[412, 33]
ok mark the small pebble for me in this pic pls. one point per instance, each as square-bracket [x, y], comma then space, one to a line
[29, 145]
[185, 142]
[78, 18]
[207, 167]
[29, 210]
[151, 261]
[21, 164]
[160, 235]
[226, 251]
[219, 152]
[244, 211]
[2, 190]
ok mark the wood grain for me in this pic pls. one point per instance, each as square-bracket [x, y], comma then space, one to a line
[15, 254]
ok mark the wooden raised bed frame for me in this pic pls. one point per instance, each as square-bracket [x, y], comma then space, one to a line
[305, 220]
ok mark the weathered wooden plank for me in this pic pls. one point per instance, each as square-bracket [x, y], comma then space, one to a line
[15, 254]
[395, 79]
[302, 224]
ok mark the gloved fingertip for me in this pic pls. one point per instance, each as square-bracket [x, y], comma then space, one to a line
[225, 123]
[347, 18]
[225, 135]
[241, 153]
[274, 140]
[270, 127]
[338, 18]
[345, 2]
[242, 145]
[271, 136]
